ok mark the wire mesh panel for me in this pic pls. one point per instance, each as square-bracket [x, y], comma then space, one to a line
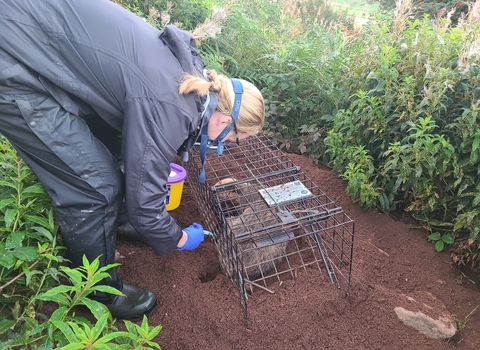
[271, 222]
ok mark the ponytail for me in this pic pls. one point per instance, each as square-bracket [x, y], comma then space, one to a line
[252, 112]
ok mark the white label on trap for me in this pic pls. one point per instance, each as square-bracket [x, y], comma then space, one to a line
[287, 192]
[172, 173]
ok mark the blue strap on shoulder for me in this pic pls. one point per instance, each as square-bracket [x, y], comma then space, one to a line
[238, 90]
[203, 142]
[203, 153]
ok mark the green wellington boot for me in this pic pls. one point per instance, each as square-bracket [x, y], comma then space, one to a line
[136, 303]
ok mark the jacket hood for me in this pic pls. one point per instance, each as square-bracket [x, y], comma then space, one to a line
[183, 46]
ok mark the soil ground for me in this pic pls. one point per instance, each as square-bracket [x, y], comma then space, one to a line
[393, 264]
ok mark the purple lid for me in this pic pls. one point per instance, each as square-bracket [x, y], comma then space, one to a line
[177, 174]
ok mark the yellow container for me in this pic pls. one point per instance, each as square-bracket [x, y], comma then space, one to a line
[175, 186]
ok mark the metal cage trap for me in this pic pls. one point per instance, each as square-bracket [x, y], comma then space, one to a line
[271, 222]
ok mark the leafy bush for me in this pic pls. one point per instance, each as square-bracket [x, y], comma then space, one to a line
[413, 110]
[29, 251]
[63, 329]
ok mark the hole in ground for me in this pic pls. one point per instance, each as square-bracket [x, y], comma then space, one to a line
[209, 272]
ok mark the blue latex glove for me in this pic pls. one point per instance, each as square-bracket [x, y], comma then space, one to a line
[195, 236]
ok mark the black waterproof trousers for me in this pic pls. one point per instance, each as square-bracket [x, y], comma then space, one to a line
[77, 170]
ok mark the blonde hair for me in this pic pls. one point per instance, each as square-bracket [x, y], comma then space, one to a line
[252, 111]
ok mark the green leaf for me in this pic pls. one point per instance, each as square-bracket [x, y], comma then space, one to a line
[29, 204]
[100, 345]
[101, 325]
[434, 237]
[435, 222]
[154, 344]
[14, 240]
[73, 346]
[66, 330]
[476, 201]
[32, 190]
[418, 170]
[81, 333]
[85, 261]
[58, 290]
[460, 222]
[7, 259]
[51, 218]
[10, 215]
[94, 264]
[115, 335]
[108, 267]
[39, 220]
[97, 309]
[475, 144]
[384, 202]
[98, 276]
[5, 202]
[471, 215]
[51, 257]
[28, 274]
[60, 299]
[74, 275]
[44, 232]
[106, 289]
[154, 331]
[59, 314]
[439, 246]
[8, 184]
[130, 327]
[18, 263]
[5, 325]
[448, 239]
[33, 326]
[28, 254]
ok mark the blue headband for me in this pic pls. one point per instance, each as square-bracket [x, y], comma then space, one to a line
[237, 103]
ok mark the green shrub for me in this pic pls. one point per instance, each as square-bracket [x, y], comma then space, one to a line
[30, 253]
[413, 110]
[63, 329]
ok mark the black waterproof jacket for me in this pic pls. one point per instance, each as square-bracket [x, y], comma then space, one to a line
[128, 72]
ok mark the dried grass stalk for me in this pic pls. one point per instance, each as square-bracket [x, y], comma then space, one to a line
[403, 10]
[212, 26]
